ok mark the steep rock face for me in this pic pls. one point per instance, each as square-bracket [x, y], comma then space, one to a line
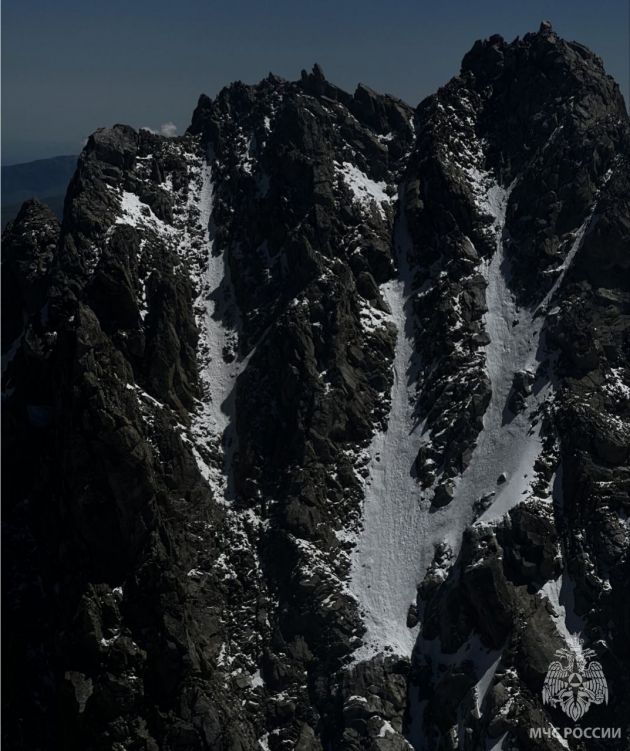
[115, 504]
[231, 331]
[541, 116]
[138, 392]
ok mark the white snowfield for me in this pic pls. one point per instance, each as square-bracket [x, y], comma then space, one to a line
[218, 322]
[400, 532]
[508, 445]
[387, 561]
[217, 378]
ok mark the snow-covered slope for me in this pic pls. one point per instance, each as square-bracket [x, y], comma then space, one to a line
[217, 320]
[387, 563]
[400, 529]
[509, 444]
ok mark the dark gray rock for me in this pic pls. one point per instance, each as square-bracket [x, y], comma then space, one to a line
[145, 610]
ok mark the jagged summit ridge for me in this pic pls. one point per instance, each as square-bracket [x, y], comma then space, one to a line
[330, 402]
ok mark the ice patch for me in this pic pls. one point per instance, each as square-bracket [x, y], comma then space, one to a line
[615, 386]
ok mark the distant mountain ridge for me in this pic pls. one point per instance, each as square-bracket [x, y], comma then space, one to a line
[44, 179]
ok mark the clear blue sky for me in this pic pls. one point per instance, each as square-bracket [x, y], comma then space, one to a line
[70, 67]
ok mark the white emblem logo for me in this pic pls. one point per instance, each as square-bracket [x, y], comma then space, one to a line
[574, 682]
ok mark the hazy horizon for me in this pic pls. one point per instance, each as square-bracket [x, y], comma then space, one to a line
[69, 69]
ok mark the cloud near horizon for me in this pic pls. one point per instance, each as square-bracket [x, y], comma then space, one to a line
[168, 129]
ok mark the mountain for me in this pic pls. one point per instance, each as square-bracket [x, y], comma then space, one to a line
[317, 422]
[44, 179]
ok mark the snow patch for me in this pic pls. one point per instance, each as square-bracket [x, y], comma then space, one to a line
[139, 214]
[365, 190]
[257, 680]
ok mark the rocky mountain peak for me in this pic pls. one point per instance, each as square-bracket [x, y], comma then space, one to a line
[560, 68]
[28, 249]
[545, 27]
[317, 417]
